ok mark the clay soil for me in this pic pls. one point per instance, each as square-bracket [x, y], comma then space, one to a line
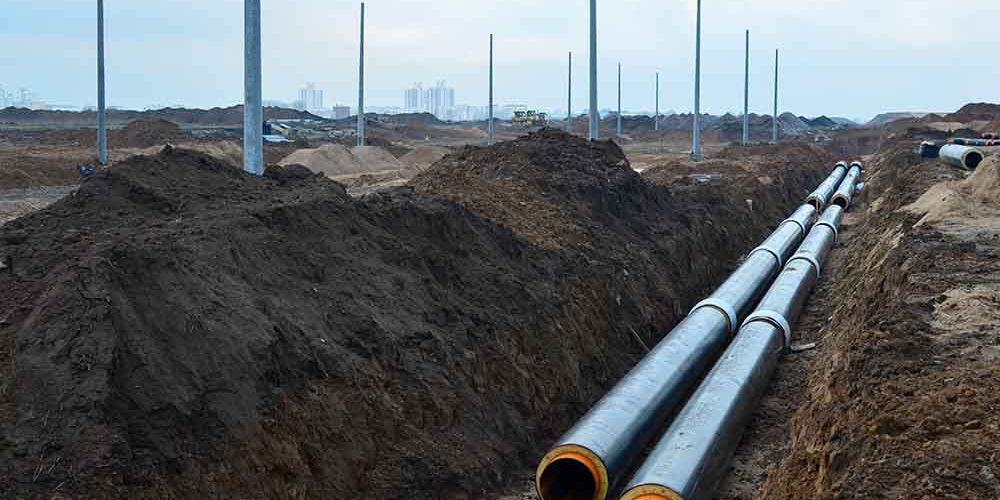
[176, 329]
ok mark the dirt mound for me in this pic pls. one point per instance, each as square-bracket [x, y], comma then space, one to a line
[902, 401]
[147, 133]
[423, 157]
[178, 329]
[335, 160]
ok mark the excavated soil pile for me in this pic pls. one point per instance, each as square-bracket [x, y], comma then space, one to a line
[905, 402]
[177, 329]
[335, 160]
[147, 133]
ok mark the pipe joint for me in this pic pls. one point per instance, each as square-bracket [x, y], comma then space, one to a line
[774, 253]
[812, 260]
[726, 309]
[802, 227]
[775, 319]
[832, 226]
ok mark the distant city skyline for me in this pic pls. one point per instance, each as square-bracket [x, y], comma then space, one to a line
[896, 56]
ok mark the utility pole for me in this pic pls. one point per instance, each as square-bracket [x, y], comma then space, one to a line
[656, 118]
[361, 82]
[746, 95]
[696, 140]
[253, 110]
[594, 115]
[491, 135]
[569, 98]
[619, 99]
[774, 134]
[102, 119]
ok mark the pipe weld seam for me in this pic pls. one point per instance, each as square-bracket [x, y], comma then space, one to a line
[836, 232]
[774, 253]
[726, 309]
[813, 261]
[802, 227]
[774, 318]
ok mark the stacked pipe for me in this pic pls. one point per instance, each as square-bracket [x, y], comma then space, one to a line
[961, 156]
[982, 143]
[692, 456]
[590, 461]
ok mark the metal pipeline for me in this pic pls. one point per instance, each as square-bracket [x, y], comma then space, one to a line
[821, 196]
[845, 193]
[692, 456]
[983, 143]
[961, 156]
[590, 461]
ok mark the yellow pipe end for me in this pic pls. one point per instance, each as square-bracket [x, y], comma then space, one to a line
[555, 473]
[651, 492]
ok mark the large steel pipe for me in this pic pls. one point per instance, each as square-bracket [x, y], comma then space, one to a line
[821, 196]
[589, 462]
[983, 143]
[845, 193]
[694, 453]
[961, 156]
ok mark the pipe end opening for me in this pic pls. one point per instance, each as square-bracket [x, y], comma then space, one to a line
[816, 203]
[973, 159]
[569, 477]
[651, 492]
[841, 202]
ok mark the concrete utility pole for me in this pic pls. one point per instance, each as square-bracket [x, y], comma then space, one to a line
[569, 98]
[102, 119]
[746, 95]
[253, 110]
[361, 82]
[696, 140]
[491, 134]
[774, 134]
[594, 114]
[656, 118]
[619, 99]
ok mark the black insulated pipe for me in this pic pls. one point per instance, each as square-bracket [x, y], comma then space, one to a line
[590, 461]
[845, 193]
[821, 196]
[687, 463]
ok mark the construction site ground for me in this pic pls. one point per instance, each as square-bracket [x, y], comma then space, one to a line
[173, 329]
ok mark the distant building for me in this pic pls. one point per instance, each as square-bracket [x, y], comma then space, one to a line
[438, 100]
[310, 98]
[341, 112]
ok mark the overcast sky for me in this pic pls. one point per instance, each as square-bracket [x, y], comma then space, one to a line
[853, 58]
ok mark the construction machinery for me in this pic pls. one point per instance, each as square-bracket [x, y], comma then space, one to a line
[529, 118]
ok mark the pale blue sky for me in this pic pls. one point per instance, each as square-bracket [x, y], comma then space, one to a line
[852, 58]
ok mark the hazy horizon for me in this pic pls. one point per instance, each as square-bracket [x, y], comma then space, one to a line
[839, 58]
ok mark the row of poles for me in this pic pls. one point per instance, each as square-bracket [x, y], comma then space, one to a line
[253, 112]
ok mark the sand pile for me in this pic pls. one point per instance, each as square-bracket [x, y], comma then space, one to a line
[335, 160]
[423, 157]
[971, 204]
[178, 329]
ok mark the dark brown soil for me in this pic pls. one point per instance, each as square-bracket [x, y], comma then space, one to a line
[177, 329]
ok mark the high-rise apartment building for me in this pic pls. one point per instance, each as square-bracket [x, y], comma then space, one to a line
[438, 100]
[310, 98]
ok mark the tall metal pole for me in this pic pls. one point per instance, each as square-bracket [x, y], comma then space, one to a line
[696, 140]
[594, 115]
[746, 95]
[774, 134]
[569, 98]
[361, 82]
[490, 126]
[253, 111]
[619, 99]
[102, 119]
[656, 117]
